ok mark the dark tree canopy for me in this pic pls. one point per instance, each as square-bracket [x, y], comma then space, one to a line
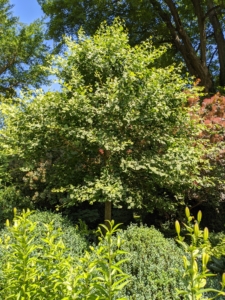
[194, 28]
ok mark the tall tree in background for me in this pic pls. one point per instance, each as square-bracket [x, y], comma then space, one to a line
[23, 61]
[23, 53]
[195, 28]
[117, 133]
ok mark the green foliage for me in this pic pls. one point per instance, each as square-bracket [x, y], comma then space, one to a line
[72, 239]
[217, 265]
[11, 193]
[155, 264]
[216, 237]
[218, 243]
[71, 236]
[217, 261]
[11, 197]
[194, 28]
[194, 277]
[44, 269]
[74, 242]
[23, 60]
[214, 283]
[110, 278]
[41, 260]
[28, 276]
[23, 53]
[119, 130]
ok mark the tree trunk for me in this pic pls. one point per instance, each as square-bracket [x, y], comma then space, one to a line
[202, 29]
[108, 212]
[183, 44]
[219, 38]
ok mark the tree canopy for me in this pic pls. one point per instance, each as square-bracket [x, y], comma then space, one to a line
[194, 28]
[23, 53]
[118, 132]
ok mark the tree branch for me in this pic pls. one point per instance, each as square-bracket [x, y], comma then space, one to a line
[8, 64]
[211, 59]
[210, 11]
[201, 25]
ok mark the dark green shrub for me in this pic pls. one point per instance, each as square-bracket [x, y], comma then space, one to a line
[216, 264]
[10, 197]
[216, 237]
[156, 264]
[71, 237]
[214, 283]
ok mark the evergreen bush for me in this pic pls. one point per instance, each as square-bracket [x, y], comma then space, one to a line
[216, 239]
[71, 237]
[74, 242]
[11, 197]
[155, 266]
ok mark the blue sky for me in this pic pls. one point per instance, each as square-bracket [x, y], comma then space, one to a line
[26, 10]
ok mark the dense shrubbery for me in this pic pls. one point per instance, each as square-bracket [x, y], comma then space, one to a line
[70, 235]
[60, 229]
[11, 197]
[42, 257]
[38, 265]
[217, 262]
[155, 264]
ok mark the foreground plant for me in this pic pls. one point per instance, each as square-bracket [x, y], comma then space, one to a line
[110, 273]
[34, 270]
[195, 276]
[99, 274]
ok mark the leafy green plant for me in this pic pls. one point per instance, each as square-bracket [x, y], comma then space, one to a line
[194, 277]
[218, 249]
[217, 265]
[111, 274]
[217, 259]
[11, 197]
[118, 132]
[155, 264]
[101, 275]
[32, 270]
[214, 283]
[47, 270]
[73, 236]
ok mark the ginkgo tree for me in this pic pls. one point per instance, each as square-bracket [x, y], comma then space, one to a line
[118, 132]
